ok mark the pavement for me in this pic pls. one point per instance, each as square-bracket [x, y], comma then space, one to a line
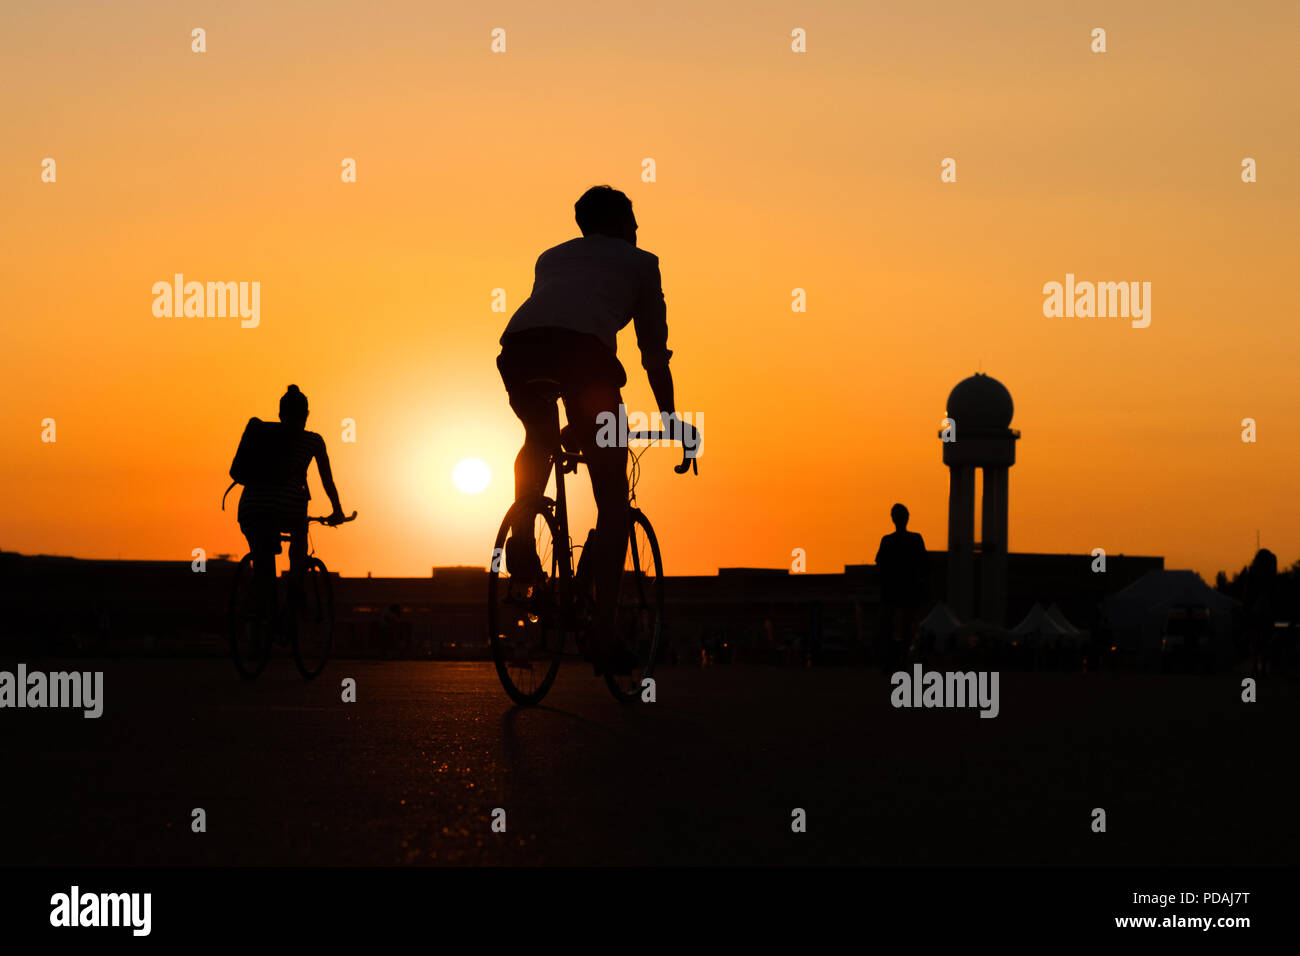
[412, 772]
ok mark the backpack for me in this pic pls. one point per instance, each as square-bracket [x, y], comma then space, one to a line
[259, 460]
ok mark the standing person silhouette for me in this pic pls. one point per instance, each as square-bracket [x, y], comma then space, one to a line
[276, 498]
[1261, 585]
[904, 579]
[584, 291]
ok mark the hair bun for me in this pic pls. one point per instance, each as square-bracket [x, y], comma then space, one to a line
[293, 388]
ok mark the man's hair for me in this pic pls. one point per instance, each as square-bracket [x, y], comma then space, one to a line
[293, 405]
[601, 207]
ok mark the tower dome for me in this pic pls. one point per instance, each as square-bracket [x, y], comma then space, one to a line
[981, 441]
[980, 404]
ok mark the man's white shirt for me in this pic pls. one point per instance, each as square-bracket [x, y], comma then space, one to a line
[597, 284]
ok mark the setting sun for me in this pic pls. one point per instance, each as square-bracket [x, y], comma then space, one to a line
[471, 476]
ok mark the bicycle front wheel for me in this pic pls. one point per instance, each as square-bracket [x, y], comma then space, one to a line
[313, 626]
[248, 623]
[639, 624]
[526, 624]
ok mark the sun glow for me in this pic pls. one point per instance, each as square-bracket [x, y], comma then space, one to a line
[471, 476]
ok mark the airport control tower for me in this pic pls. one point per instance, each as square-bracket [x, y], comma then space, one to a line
[978, 435]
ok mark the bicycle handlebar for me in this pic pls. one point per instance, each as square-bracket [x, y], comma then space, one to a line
[325, 519]
[689, 461]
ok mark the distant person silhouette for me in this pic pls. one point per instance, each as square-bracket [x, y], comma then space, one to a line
[272, 463]
[584, 291]
[1261, 585]
[904, 583]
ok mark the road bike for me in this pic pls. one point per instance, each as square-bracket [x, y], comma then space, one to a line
[304, 617]
[533, 626]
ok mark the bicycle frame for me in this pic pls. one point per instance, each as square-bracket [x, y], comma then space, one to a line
[286, 537]
[561, 462]
[559, 607]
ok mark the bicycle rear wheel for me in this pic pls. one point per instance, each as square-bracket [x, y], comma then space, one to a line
[639, 624]
[526, 626]
[313, 627]
[248, 626]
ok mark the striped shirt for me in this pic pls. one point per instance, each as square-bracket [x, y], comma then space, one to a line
[287, 499]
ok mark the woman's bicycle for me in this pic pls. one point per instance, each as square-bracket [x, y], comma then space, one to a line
[530, 626]
[304, 618]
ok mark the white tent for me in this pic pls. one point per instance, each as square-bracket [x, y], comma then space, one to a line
[940, 623]
[1032, 624]
[983, 630]
[1050, 625]
[940, 620]
[1139, 614]
[1061, 622]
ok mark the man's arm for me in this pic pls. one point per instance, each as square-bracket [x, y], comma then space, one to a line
[327, 478]
[650, 316]
[661, 383]
[651, 320]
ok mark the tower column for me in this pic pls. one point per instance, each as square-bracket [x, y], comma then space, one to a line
[981, 409]
[993, 549]
[961, 538]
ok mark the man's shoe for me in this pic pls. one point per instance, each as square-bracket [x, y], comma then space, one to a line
[522, 561]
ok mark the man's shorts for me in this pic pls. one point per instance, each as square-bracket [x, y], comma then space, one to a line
[571, 358]
[588, 377]
[263, 531]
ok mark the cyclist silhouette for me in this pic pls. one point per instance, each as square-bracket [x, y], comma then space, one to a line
[564, 339]
[272, 463]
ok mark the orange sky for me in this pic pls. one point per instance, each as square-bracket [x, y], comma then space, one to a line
[775, 171]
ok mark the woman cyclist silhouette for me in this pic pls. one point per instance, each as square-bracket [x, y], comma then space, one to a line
[275, 499]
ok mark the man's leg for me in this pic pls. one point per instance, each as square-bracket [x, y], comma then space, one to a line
[536, 409]
[911, 650]
[262, 545]
[608, 468]
[885, 639]
[297, 556]
[541, 419]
